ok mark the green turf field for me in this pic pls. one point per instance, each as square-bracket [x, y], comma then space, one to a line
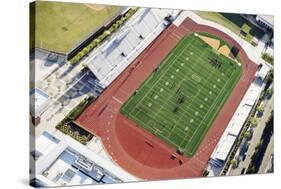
[181, 99]
[59, 26]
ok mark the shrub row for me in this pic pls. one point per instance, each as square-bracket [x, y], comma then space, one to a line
[69, 128]
[79, 108]
[66, 129]
[268, 58]
[102, 37]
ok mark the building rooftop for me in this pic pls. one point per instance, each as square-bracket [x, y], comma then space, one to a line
[263, 71]
[66, 162]
[225, 146]
[38, 101]
[125, 46]
[268, 18]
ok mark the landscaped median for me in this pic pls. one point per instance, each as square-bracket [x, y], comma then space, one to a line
[96, 42]
[69, 127]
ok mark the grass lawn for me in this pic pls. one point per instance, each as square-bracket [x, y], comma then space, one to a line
[233, 22]
[180, 100]
[60, 26]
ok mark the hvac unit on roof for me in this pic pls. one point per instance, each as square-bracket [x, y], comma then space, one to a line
[84, 163]
[99, 172]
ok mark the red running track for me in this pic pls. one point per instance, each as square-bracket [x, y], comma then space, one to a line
[133, 148]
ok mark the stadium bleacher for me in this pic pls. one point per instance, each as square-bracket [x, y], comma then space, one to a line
[123, 48]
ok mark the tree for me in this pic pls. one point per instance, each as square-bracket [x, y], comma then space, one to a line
[123, 19]
[115, 26]
[104, 34]
[91, 45]
[270, 76]
[260, 110]
[119, 22]
[247, 135]
[269, 92]
[268, 58]
[80, 54]
[96, 41]
[254, 122]
[85, 51]
[234, 163]
[107, 32]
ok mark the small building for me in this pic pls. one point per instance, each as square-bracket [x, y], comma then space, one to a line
[39, 101]
[262, 72]
[65, 162]
[222, 152]
[266, 21]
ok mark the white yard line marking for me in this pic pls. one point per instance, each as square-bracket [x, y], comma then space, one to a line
[159, 79]
[117, 99]
[168, 101]
[208, 113]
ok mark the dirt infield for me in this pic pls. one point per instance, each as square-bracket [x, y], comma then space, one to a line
[135, 149]
[215, 43]
[224, 50]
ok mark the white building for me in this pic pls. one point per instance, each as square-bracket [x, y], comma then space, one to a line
[66, 162]
[262, 72]
[266, 20]
[38, 102]
[116, 54]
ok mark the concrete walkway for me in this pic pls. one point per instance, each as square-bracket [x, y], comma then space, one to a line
[254, 53]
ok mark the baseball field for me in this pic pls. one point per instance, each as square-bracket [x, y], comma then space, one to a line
[182, 97]
[59, 26]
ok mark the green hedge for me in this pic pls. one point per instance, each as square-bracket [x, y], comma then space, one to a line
[102, 37]
[268, 58]
[66, 129]
[76, 132]
[79, 108]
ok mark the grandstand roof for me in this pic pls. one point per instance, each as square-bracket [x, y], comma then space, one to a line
[263, 71]
[224, 148]
[120, 51]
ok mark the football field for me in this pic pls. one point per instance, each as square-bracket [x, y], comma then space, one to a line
[182, 97]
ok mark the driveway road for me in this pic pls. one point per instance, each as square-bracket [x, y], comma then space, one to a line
[266, 162]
